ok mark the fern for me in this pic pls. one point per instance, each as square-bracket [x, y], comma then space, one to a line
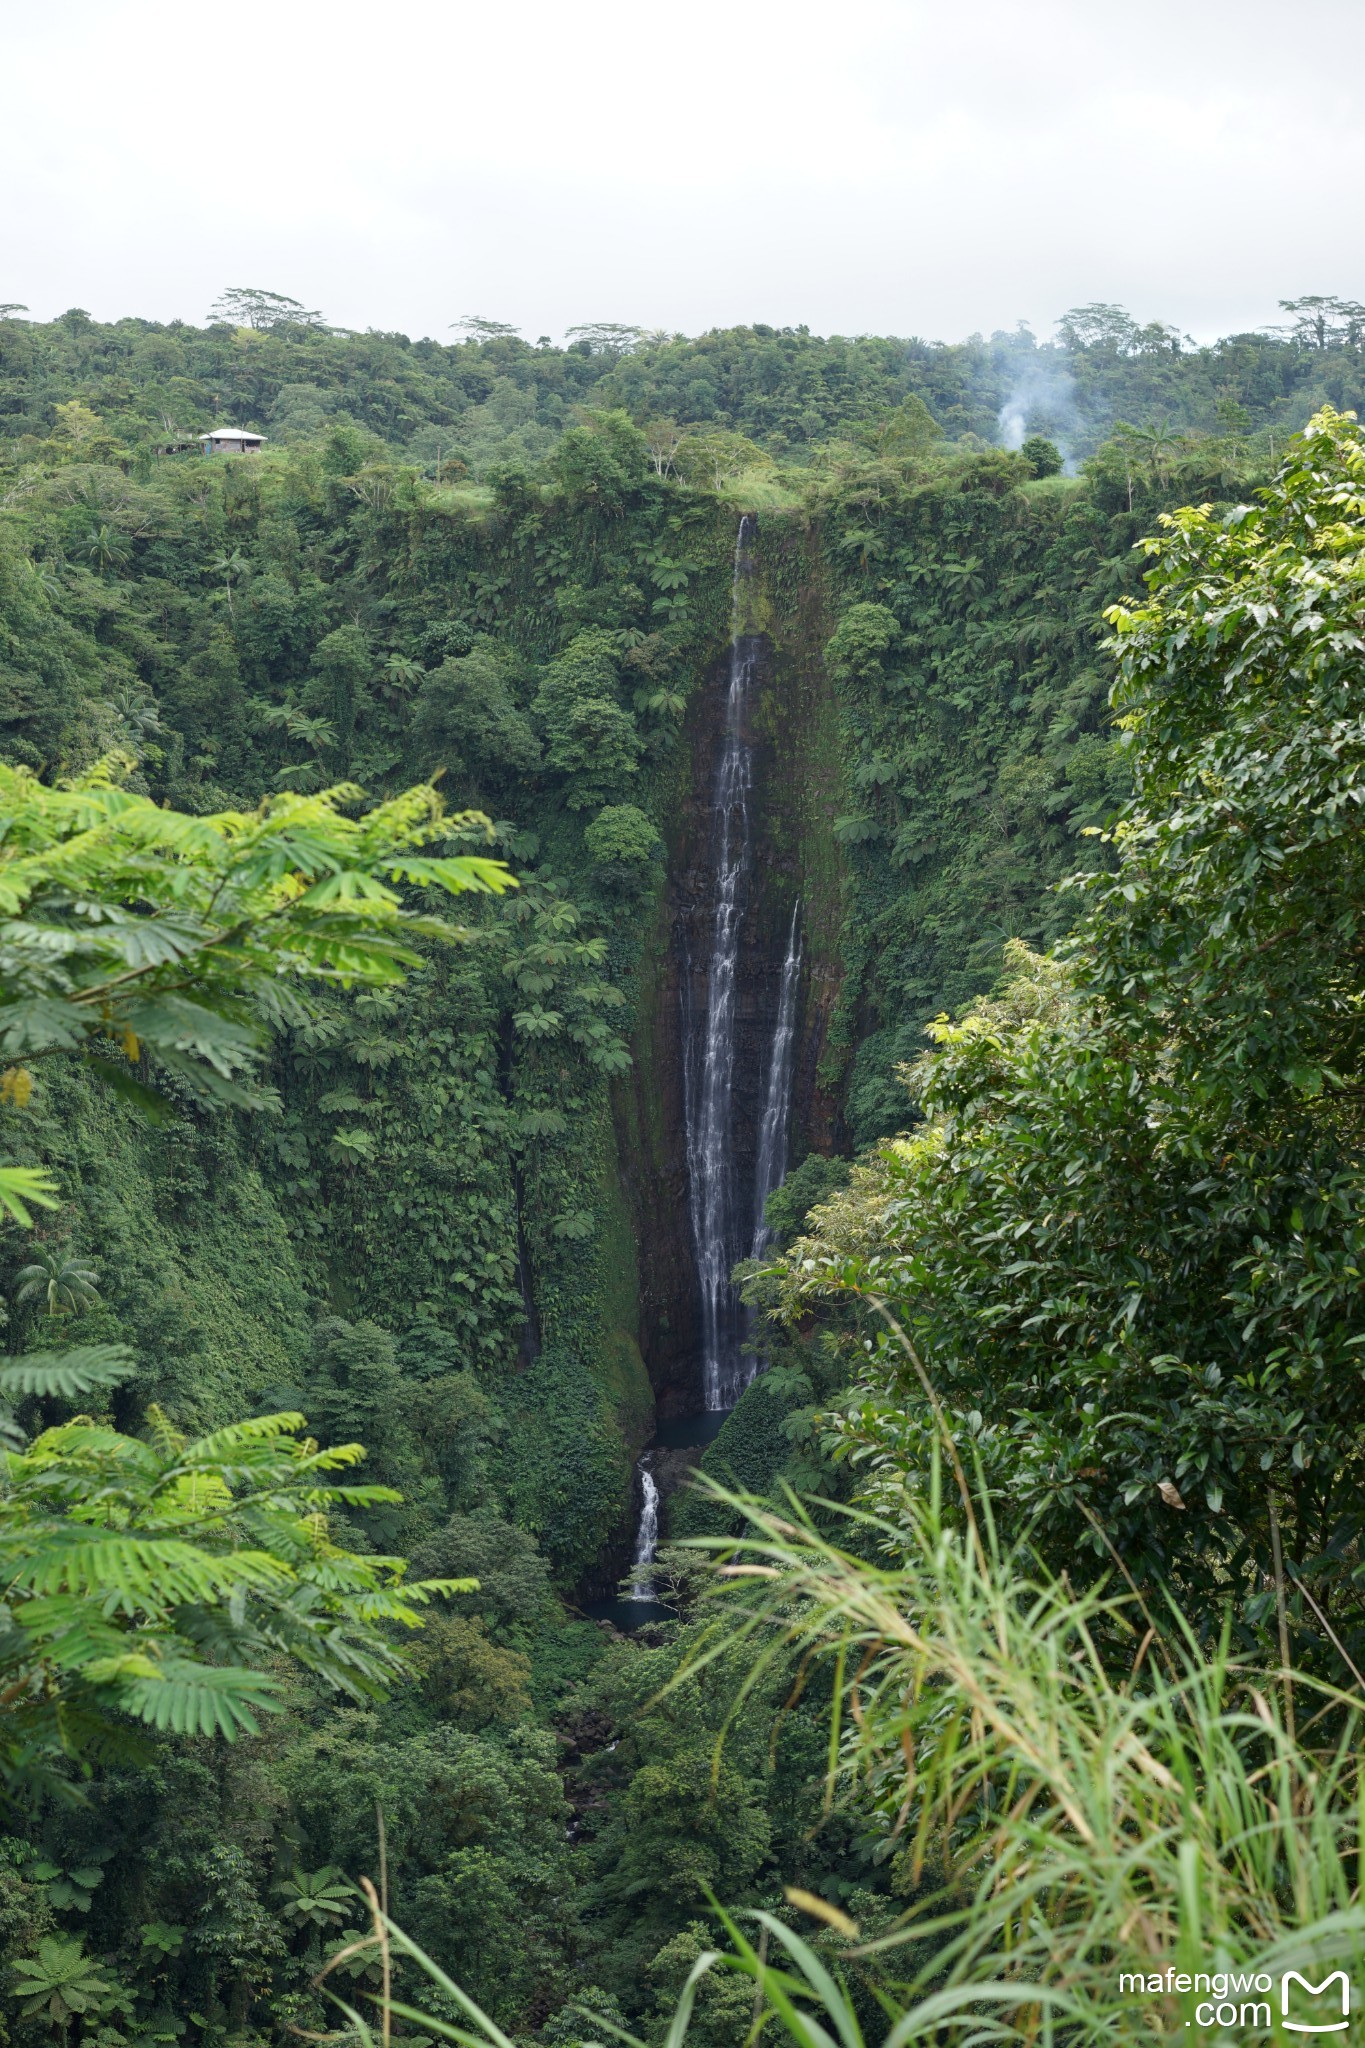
[65, 1375]
[22, 1185]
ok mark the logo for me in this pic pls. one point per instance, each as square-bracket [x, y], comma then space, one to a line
[1315, 1991]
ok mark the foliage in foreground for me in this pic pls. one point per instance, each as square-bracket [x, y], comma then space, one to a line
[128, 922]
[1071, 1785]
[1128, 1234]
[1069, 1790]
[156, 1579]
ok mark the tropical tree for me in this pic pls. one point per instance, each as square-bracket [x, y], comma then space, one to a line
[227, 566]
[605, 337]
[1126, 1236]
[622, 839]
[1156, 444]
[1105, 328]
[65, 1985]
[664, 438]
[127, 927]
[106, 547]
[589, 738]
[319, 1898]
[160, 1579]
[318, 733]
[907, 431]
[161, 1939]
[712, 458]
[249, 306]
[63, 1282]
[400, 676]
[1320, 321]
[662, 701]
[137, 711]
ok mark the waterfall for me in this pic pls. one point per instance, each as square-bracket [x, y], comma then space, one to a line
[709, 1065]
[646, 1536]
[771, 1164]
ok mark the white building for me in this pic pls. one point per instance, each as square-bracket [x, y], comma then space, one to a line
[230, 441]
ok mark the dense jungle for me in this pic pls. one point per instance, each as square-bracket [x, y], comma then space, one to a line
[386, 962]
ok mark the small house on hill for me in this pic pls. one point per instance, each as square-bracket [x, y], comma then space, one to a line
[230, 441]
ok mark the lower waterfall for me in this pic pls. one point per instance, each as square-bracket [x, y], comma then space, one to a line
[646, 1536]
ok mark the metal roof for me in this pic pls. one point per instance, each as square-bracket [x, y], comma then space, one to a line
[232, 434]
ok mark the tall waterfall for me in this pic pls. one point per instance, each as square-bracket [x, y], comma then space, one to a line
[771, 1163]
[709, 1061]
[646, 1536]
[725, 1208]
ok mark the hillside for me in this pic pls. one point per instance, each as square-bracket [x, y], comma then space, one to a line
[491, 398]
[461, 1234]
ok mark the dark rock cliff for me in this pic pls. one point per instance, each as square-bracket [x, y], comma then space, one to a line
[796, 795]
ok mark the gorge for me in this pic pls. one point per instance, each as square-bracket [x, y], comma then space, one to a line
[785, 736]
[731, 1168]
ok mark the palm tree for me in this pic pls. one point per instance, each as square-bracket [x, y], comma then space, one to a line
[227, 566]
[137, 712]
[1158, 442]
[63, 1280]
[138, 707]
[105, 546]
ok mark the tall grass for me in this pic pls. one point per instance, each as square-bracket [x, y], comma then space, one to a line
[1079, 1791]
[1072, 1788]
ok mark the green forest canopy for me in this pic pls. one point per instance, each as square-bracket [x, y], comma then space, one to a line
[531, 607]
[491, 397]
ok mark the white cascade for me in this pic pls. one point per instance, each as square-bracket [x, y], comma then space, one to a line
[709, 1064]
[771, 1164]
[646, 1536]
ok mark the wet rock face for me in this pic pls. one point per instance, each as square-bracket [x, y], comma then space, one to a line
[794, 793]
[673, 1470]
[648, 1112]
[652, 1131]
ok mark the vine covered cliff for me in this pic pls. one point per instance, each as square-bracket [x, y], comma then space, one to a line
[464, 1229]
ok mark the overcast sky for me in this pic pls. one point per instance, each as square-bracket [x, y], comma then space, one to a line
[925, 167]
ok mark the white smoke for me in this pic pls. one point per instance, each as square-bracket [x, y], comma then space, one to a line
[1042, 400]
[1013, 424]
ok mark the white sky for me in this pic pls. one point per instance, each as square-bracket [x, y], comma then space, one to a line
[895, 166]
